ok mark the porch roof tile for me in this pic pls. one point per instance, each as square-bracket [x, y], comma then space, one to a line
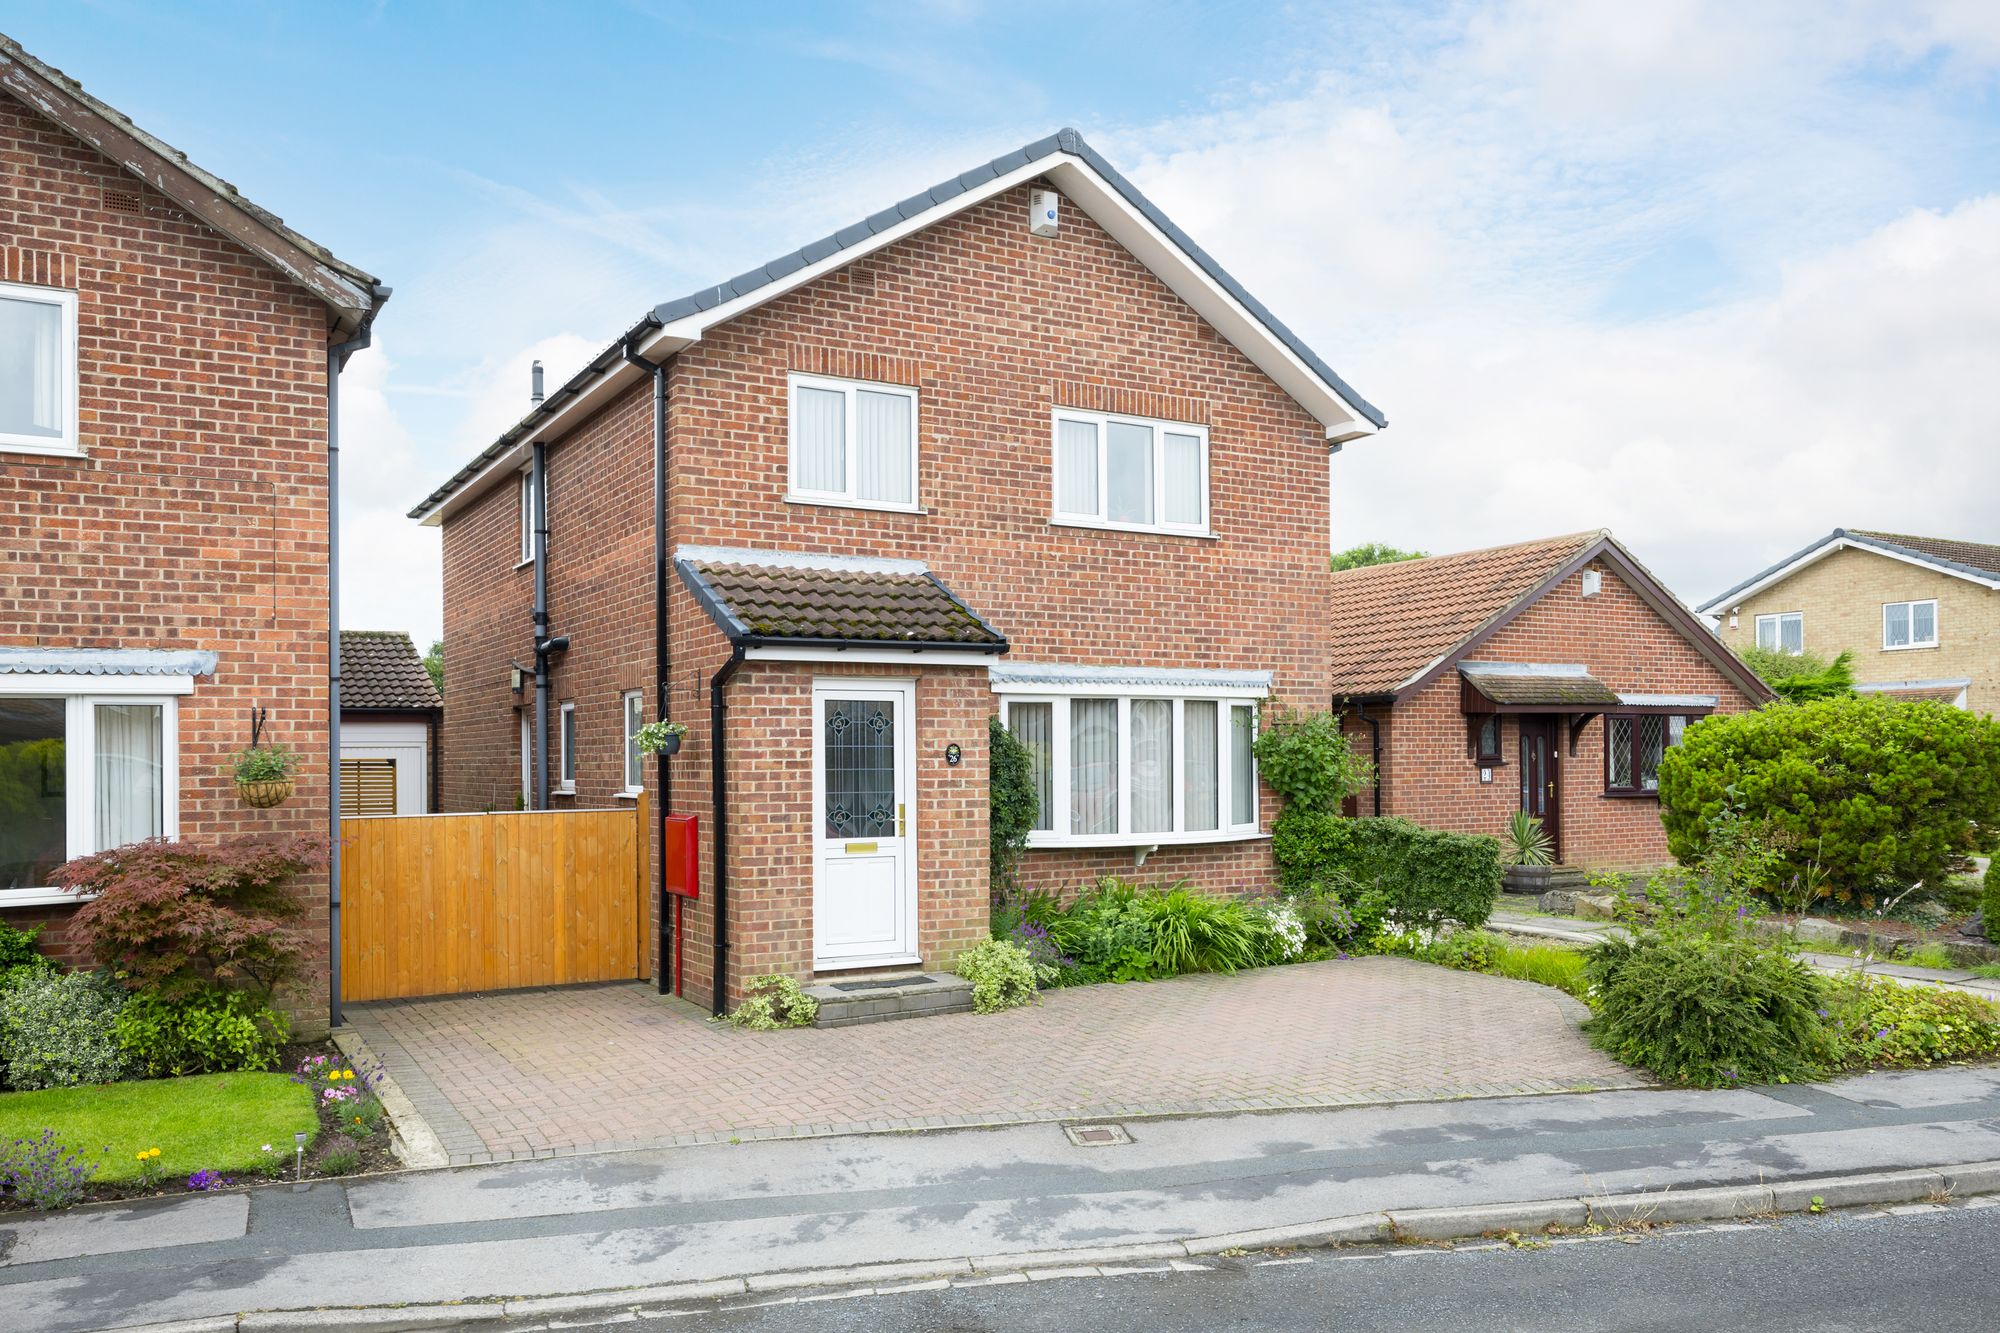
[820, 601]
[1547, 686]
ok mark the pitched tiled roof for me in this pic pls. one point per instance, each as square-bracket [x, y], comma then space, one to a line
[1973, 555]
[764, 596]
[1942, 694]
[380, 669]
[1392, 622]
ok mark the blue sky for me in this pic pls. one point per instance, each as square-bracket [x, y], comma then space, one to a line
[1719, 276]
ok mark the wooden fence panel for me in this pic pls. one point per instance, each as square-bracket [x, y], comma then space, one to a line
[446, 904]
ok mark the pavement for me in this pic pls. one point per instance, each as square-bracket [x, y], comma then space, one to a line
[540, 1073]
[613, 1235]
[1876, 1273]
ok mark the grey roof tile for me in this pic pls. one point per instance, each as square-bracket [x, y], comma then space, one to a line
[775, 603]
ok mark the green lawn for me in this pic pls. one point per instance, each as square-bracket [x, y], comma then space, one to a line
[219, 1122]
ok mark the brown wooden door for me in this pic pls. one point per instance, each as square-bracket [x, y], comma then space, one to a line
[1541, 774]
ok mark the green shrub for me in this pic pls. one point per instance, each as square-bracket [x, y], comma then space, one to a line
[1706, 1010]
[1338, 915]
[1545, 965]
[1012, 804]
[1426, 878]
[1882, 1023]
[771, 1002]
[1801, 677]
[338, 1155]
[1307, 760]
[1195, 933]
[212, 1032]
[17, 949]
[1002, 975]
[1989, 901]
[1868, 793]
[1108, 933]
[58, 1029]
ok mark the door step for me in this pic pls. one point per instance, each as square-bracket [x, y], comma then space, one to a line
[884, 999]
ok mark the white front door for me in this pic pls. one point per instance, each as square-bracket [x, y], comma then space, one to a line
[864, 864]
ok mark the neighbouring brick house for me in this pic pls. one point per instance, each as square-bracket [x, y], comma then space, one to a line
[1013, 446]
[168, 352]
[1549, 676]
[1921, 615]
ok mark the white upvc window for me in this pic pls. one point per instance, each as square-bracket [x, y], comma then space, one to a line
[526, 491]
[1910, 624]
[527, 762]
[87, 763]
[1130, 473]
[635, 762]
[852, 442]
[37, 370]
[566, 749]
[1784, 632]
[1140, 769]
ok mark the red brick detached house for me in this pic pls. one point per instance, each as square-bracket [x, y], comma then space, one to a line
[1548, 677]
[168, 355]
[1013, 446]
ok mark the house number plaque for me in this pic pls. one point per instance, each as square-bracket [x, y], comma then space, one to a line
[952, 754]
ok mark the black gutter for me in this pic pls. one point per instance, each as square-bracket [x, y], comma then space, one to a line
[336, 361]
[662, 659]
[718, 711]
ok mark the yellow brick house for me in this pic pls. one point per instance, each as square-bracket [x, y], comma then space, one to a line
[1920, 614]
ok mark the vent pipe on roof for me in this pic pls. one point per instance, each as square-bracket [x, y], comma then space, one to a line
[535, 385]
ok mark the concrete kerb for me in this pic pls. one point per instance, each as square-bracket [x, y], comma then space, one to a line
[1720, 1203]
[415, 1143]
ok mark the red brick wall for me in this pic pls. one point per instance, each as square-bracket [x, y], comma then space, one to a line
[197, 516]
[993, 327]
[1429, 774]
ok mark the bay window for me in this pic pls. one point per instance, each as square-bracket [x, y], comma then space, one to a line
[1130, 472]
[80, 773]
[1136, 770]
[853, 443]
[37, 370]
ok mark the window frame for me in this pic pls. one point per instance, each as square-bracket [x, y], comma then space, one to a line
[1161, 428]
[527, 760]
[1481, 756]
[632, 758]
[525, 493]
[1910, 615]
[1638, 790]
[566, 750]
[846, 388]
[81, 694]
[69, 444]
[1778, 619]
[1226, 830]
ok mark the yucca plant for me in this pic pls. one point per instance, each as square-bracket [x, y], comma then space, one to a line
[1528, 843]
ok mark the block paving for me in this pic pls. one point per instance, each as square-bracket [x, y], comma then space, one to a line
[558, 1071]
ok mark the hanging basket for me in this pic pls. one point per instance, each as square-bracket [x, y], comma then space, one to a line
[671, 745]
[265, 794]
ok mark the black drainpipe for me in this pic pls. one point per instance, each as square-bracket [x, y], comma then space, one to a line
[1375, 732]
[336, 361]
[669, 922]
[718, 710]
[538, 472]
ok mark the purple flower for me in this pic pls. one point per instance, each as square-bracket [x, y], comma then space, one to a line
[1822, 1013]
[1883, 1033]
[204, 1181]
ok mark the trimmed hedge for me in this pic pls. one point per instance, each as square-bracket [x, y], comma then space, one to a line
[1426, 877]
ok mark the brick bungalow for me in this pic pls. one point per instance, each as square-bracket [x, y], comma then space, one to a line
[1014, 446]
[169, 354]
[1548, 676]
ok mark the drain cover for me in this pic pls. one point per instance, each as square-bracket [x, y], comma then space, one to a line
[1097, 1136]
[886, 983]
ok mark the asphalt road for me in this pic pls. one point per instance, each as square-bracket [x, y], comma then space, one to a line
[1938, 1272]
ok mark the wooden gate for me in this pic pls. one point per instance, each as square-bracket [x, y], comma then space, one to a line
[444, 904]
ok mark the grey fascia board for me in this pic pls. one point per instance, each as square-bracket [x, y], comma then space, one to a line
[1986, 576]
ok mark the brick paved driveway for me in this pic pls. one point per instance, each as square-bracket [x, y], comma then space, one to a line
[545, 1072]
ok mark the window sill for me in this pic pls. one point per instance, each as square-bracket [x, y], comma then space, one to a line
[1909, 647]
[1193, 534]
[41, 898]
[836, 502]
[629, 794]
[40, 450]
[523, 564]
[1100, 841]
[1631, 796]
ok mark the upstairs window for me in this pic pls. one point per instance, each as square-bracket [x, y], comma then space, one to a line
[853, 443]
[1130, 473]
[1783, 633]
[527, 492]
[1910, 624]
[37, 370]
